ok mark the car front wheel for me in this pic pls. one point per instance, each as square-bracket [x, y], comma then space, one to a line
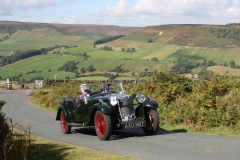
[152, 122]
[65, 127]
[103, 126]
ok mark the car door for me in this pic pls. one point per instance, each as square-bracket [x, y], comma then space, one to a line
[81, 114]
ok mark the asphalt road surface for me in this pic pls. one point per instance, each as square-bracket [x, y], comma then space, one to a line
[165, 145]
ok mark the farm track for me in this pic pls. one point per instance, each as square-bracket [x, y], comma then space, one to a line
[167, 145]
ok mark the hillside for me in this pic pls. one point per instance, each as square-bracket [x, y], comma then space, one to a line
[140, 51]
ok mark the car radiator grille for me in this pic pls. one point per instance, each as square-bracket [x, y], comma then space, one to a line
[126, 107]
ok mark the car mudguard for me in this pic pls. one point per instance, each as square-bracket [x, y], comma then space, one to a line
[103, 107]
[65, 110]
[151, 103]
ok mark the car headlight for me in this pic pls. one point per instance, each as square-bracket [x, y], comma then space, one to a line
[140, 98]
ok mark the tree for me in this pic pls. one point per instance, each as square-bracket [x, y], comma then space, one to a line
[210, 63]
[91, 68]
[232, 64]
[133, 50]
[154, 59]
[123, 49]
[77, 74]
[225, 64]
[105, 48]
[150, 41]
[118, 69]
[82, 70]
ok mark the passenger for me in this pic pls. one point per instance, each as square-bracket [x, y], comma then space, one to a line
[82, 94]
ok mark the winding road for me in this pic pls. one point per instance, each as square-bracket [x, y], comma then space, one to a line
[165, 145]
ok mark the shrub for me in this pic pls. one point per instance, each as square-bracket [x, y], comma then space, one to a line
[14, 144]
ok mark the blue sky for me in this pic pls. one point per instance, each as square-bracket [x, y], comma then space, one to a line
[138, 13]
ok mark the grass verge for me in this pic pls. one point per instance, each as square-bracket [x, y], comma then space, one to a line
[54, 150]
[220, 131]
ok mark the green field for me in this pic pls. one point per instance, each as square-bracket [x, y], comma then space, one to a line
[77, 50]
[41, 63]
[118, 44]
[40, 38]
[137, 65]
[163, 52]
[209, 54]
[143, 51]
[184, 52]
[221, 70]
[93, 78]
[102, 54]
[231, 54]
[110, 64]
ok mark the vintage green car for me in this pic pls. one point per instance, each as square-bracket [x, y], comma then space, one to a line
[108, 107]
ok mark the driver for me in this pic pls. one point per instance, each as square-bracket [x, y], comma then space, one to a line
[105, 89]
[84, 91]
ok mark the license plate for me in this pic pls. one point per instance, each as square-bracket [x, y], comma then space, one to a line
[134, 124]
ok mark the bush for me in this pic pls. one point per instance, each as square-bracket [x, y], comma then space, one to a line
[14, 143]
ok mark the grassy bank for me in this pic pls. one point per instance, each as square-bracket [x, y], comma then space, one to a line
[53, 150]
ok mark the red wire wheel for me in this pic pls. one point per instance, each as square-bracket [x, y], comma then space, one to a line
[103, 126]
[152, 122]
[65, 127]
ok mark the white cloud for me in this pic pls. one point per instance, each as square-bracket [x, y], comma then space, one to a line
[66, 20]
[155, 12]
[32, 3]
[119, 9]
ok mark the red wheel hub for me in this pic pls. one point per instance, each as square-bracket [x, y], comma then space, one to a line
[100, 125]
[63, 122]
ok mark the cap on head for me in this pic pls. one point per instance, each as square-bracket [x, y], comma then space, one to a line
[83, 87]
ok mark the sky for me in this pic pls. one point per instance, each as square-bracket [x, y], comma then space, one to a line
[135, 13]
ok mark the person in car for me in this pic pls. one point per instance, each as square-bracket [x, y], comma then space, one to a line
[105, 89]
[84, 92]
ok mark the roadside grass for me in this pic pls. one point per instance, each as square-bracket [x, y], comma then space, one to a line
[55, 150]
[220, 131]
